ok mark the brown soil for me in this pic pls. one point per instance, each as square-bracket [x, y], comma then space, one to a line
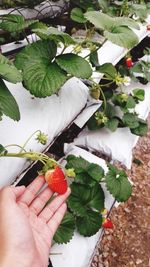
[128, 244]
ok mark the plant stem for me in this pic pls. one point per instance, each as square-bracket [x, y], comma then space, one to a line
[38, 131]
[15, 146]
[104, 99]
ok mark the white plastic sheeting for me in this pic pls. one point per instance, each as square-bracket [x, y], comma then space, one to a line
[78, 252]
[45, 9]
[118, 144]
[51, 115]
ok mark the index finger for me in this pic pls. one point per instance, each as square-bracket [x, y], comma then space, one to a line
[32, 190]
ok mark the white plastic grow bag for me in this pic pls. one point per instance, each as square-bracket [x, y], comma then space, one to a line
[45, 9]
[78, 252]
[119, 144]
[51, 115]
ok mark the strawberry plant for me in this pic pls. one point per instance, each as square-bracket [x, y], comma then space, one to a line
[86, 202]
[8, 104]
[118, 106]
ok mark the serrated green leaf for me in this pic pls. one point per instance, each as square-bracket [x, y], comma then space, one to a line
[14, 23]
[10, 73]
[40, 76]
[141, 130]
[39, 52]
[104, 5]
[118, 184]
[84, 178]
[108, 69]
[93, 125]
[100, 20]
[80, 195]
[110, 110]
[43, 80]
[124, 21]
[130, 120]
[96, 198]
[94, 59]
[130, 102]
[79, 164]
[54, 34]
[66, 229]
[74, 65]
[139, 94]
[83, 198]
[122, 36]
[90, 224]
[5, 60]
[112, 124]
[105, 22]
[77, 15]
[8, 104]
[95, 171]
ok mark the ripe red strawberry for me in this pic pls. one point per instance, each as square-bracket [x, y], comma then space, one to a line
[56, 180]
[107, 224]
[148, 27]
[129, 62]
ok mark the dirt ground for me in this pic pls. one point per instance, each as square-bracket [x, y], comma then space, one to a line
[128, 244]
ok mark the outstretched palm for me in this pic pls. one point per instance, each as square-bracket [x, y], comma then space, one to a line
[30, 224]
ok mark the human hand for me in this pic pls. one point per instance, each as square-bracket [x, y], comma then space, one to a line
[27, 226]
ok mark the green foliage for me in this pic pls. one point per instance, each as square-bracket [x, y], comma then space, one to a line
[90, 224]
[74, 65]
[2, 149]
[15, 23]
[82, 168]
[77, 15]
[139, 94]
[108, 69]
[83, 198]
[8, 104]
[41, 76]
[66, 229]
[115, 29]
[54, 34]
[118, 184]
[122, 36]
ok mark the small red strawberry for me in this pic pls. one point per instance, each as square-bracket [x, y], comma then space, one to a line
[56, 180]
[148, 27]
[107, 224]
[129, 62]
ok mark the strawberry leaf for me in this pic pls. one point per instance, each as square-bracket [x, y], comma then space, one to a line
[74, 65]
[79, 164]
[8, 71]
[90, 224]
[108, 69]
[40, 76]
[8, 104]
[118, 184]
[77, 15]
[54, 34]
[84, 198]
[15, 23]
[122, 36]
[66, 229]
